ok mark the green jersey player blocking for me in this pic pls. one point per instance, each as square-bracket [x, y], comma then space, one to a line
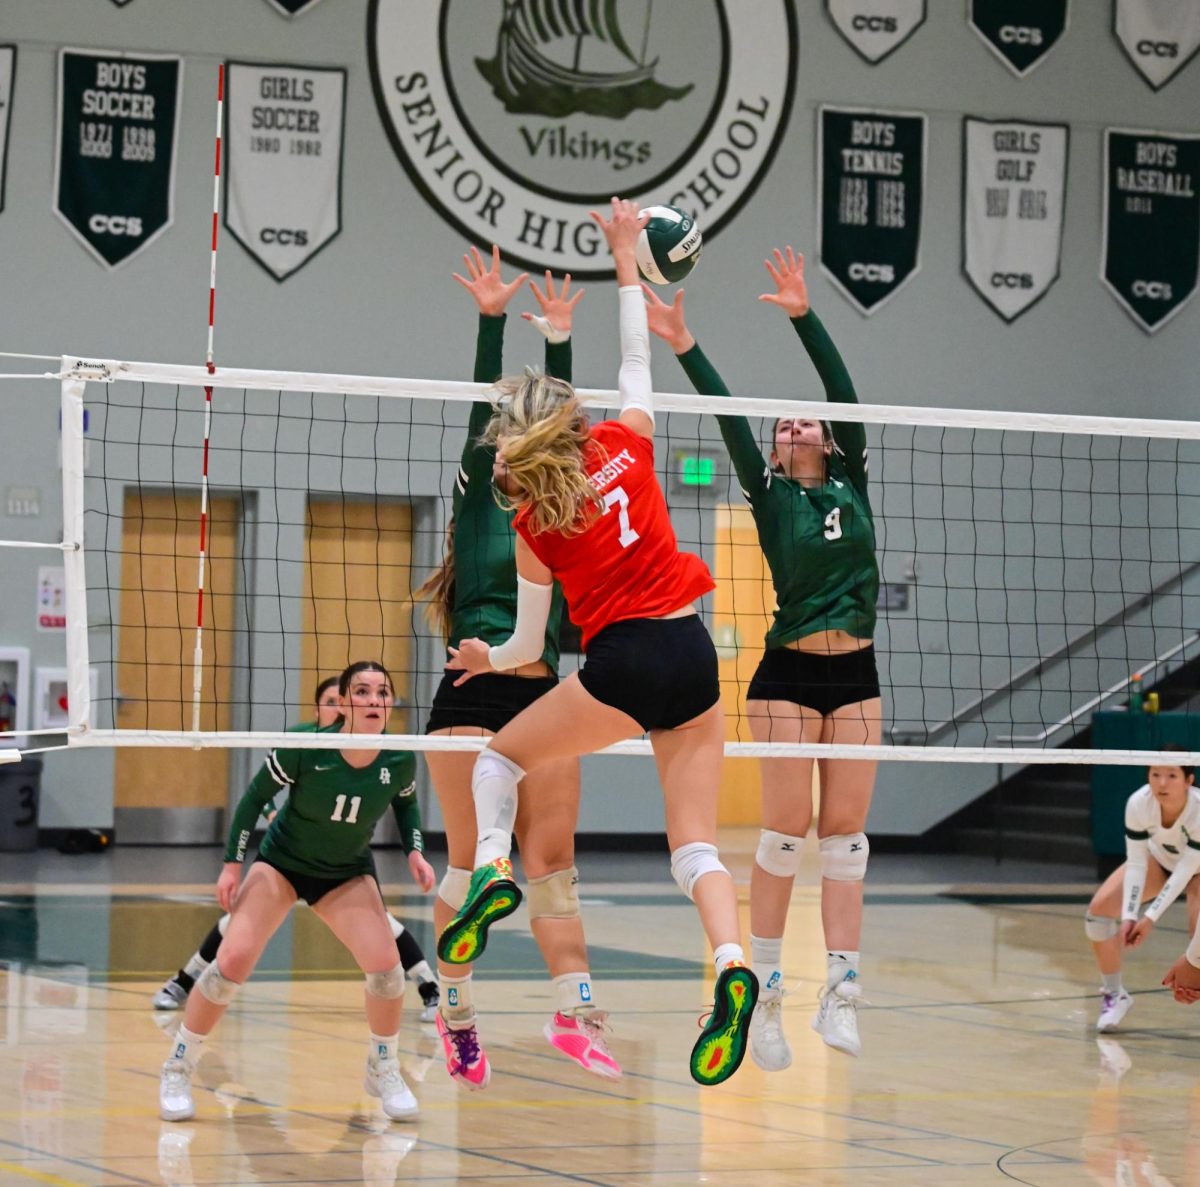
[318, 849]
[817, 681]
[173, 993]
[475, 594]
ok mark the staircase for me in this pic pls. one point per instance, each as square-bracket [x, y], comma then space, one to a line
[1043, 812]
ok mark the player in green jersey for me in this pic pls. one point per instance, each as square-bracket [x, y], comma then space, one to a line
[318, 849]
[475, 595]
[173, 993]
[817, 681]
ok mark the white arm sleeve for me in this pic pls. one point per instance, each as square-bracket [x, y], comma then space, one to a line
[1181, 875]
[1137, 857]
[633, 380]
[528, 639]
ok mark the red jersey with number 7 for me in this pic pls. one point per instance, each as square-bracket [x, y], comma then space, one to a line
[626, 563]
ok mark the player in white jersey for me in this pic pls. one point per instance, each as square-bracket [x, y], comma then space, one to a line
[1162, 846]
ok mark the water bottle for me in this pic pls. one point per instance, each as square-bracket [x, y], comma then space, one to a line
[1135, 693]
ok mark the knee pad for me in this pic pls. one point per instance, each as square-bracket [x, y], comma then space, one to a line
[689, 863]
[396, 926]
[223, 924]
[844, 858]
[494, 780]
[389, 984]
[218, 989]
[1100, 927]
[555, 896]
[454, 885]
[779, 854]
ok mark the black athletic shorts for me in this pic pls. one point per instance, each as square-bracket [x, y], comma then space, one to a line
[308, 887]
[661, 671]
[489, 701]
[821, 682]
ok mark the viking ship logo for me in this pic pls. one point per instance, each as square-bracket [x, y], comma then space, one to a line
[530, 72]
[514, 118]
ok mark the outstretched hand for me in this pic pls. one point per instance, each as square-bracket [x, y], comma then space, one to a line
[486, 285]
[621, 231]
[667, 321]
[557, 309]
[791, 292]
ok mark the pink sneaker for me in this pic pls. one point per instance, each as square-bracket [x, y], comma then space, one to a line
[465, 1058]
[581, 1037]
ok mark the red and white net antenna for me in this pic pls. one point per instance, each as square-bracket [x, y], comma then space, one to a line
[198, 655]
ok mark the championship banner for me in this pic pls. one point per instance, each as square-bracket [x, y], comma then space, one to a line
[1014, 185]
[292, 7]
[1160, 37]
[871, 178]
[283, 177]
[1019, 32]
[8, 73]
[1151, 250]
[876, 28]
[114, 163]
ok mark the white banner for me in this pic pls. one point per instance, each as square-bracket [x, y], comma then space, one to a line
[283, 180]
[1159, 37]
[1014, 184]
[876, 28]
[8, 72]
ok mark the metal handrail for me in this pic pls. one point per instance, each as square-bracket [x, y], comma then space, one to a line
[1088, 706]
[1062, 651]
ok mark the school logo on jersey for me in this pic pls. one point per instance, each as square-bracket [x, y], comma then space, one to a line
[1160, 37]
[876, 28]
[1019, 32]
[385, 776]
[514, 118]
[1014, 182]
[871, 180]
[1151, 251]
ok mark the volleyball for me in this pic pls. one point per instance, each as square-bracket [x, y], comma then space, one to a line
[668, 245]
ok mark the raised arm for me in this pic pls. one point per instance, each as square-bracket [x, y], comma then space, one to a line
[555, 322]
[668, 323]
[633, 380]
[791, 295]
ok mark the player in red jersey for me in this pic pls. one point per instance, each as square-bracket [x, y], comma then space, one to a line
[592, 516]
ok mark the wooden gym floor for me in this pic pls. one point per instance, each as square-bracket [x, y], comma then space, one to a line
[980, 1063]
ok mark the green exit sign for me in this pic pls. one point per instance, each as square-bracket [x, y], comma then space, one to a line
[695, 472]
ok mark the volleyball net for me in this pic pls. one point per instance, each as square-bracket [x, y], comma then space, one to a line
[226, 549]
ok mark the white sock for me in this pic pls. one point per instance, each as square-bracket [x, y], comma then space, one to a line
[766, 955]
[840, 966]
[725, 954]
[574, 992]
[457, 1000]
[396, 926]
[384, 1048]
[1112, 982]
[494, 788]
[195, 966]
[188, 1047]
[421, 973]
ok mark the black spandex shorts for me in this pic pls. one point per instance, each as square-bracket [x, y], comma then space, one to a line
[817, 681]
[661, 671]
[488, 702]
[309, 887]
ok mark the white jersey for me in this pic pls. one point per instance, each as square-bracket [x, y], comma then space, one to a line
[1176, 848]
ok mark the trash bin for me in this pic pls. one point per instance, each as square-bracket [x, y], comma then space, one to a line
[20, 787]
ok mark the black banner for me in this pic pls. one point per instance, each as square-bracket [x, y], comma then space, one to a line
[293, 7]
[8, 75]
[871, 181]
[118, 115]
[1019, 32]
[1151, 223]
[120, 3]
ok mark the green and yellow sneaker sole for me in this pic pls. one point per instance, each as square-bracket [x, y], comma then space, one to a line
[465, 937]
[719, 1050]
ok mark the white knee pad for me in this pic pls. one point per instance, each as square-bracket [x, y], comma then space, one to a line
[218, 989]
[453, 887]
[223, 924]
[844, 858]
[554, 896]
[389, 984]
[689, 863]
[494, 780]
[779, 854]
[1100, 927]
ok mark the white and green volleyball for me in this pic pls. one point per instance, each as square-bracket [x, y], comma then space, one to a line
[668, 245]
